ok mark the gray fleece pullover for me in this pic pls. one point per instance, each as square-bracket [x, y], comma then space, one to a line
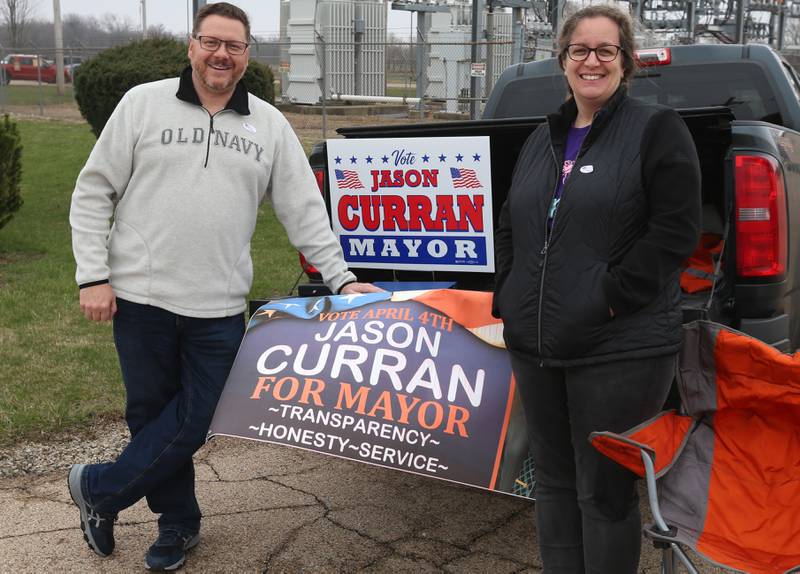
[183, 190]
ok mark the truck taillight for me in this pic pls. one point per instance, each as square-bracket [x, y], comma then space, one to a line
[319, 174]
[760, 217]
[653, 57]
[308, 269]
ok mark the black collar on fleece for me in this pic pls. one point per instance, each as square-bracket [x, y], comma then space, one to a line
[187, 93]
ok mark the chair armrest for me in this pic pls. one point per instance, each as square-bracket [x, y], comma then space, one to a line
[662, 438]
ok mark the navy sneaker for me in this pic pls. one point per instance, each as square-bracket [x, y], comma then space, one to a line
[169, 551]
[98, 529]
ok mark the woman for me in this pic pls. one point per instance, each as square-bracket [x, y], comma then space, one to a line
[603, 209]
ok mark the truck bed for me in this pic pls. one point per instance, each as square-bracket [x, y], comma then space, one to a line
[710, 128]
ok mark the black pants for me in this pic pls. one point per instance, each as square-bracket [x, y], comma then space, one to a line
[587, 507]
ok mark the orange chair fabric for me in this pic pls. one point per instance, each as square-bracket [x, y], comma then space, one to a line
[732, 488]
[663, 437]
[753, 512]
[699, 272]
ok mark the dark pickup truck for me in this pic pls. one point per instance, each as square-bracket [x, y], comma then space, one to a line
[741, 105]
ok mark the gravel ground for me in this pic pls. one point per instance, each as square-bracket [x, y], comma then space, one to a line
[101, 442]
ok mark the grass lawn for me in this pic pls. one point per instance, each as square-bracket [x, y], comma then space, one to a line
[400, 77]
[58, 370]
[401, 91]
[15, 94]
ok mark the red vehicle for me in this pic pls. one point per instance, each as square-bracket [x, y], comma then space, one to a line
[29, 67]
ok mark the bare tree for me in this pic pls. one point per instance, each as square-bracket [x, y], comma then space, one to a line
[114, 24]
[85, 33]
[16, 14]
[792, 32]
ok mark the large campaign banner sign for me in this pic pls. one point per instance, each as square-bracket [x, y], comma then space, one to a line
[407, 202]
[416, 381]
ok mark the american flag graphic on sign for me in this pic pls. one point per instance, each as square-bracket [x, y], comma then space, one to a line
[463, 177]
[348, 179]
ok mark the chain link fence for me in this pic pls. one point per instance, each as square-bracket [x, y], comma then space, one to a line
[451, 78]
[329, 82]
[28, 81]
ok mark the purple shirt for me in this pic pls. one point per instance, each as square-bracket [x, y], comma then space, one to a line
[574, 140]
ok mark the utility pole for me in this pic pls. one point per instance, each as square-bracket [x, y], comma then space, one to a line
[59, 41]
[358, 37]
[474, 81]
[516, 35]
[487, 86]
[781, 26]
[196, 5]
[144, 19]
[740, 16]
[555, 17]
[424, 12]
[423, 49]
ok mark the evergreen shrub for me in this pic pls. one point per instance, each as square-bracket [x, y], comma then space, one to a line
[102, 81]
[10, 170]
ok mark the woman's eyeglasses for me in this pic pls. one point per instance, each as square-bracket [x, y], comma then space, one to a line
[606, 53]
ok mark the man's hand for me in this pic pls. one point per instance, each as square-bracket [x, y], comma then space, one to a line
[98, 303]
[353, 288]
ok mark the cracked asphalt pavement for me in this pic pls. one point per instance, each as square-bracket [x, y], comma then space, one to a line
[271, 508]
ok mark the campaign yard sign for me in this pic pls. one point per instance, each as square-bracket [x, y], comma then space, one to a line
[415, 381]
[405, 203]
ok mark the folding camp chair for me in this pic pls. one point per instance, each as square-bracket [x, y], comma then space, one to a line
[729, 469]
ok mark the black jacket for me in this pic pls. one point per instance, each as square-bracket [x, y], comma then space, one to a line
[629, 216]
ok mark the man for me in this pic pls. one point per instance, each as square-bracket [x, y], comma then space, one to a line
[182, 166]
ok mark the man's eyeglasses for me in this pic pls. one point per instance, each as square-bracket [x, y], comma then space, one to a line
[579, 52]
[212, 44]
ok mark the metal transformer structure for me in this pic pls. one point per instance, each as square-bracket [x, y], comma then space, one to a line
[450, 59]
[337, 47]
[686, 21]
[333, 47]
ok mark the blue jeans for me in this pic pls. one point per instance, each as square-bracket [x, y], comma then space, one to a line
[174, 368]
[587, 507]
